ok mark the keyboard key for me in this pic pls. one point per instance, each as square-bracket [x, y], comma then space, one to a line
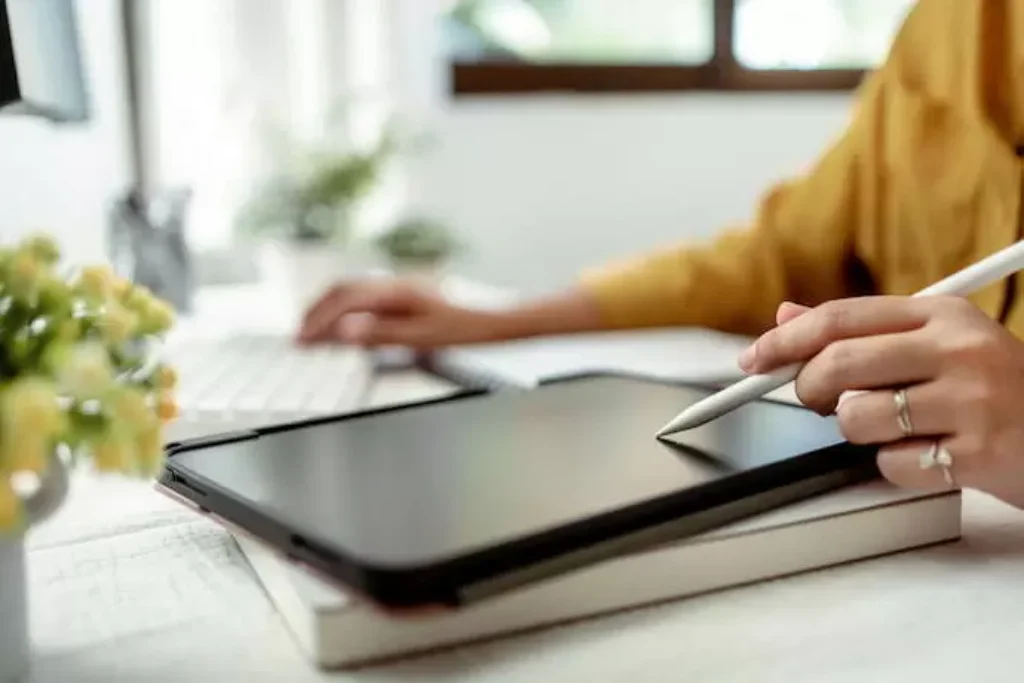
[249, 380]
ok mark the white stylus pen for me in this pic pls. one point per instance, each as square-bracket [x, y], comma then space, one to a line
[969, 280]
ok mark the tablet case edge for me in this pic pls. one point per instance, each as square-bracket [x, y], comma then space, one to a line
[403, 590]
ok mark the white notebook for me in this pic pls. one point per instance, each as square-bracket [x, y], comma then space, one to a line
[875, 519]
[679, 353]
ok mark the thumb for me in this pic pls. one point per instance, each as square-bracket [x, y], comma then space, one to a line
[789, 311]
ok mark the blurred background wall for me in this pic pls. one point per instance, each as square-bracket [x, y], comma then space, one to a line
[539, 184]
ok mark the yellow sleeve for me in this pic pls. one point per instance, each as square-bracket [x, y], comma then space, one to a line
[799, 246]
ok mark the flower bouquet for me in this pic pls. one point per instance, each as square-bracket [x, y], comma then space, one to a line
[79, 377]
[79, 380]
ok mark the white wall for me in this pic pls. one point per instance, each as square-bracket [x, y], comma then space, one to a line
[544, 186]
[61, 179]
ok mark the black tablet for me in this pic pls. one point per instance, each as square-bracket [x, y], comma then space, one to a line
[447, 502]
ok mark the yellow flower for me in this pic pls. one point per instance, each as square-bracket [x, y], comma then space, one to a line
[117, 322]
[53, 292]
[25, 275]
[54, 356]
[137, 298]
[161, 315]
[26, 452]
[96, 281]
[69, 330]
[165, 378]
[150, 451]
[166, 408]
[155, 316]
[10, 507]
[43, 247]
[112, 455]
[130, 410]
[121, 286]
[86, 372]
[31, 409]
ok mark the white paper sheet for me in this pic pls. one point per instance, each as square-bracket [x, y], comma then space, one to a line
[683, 354]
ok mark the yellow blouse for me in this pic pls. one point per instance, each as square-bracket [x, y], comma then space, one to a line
[925, 180]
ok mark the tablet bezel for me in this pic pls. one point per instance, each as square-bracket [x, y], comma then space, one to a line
[477, 575]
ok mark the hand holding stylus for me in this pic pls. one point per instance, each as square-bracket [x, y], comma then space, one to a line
[962, 283]
[934, 381]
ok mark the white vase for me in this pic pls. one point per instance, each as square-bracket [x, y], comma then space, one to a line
[15, 647]
[299, 272]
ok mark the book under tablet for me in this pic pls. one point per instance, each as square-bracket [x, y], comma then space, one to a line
[334, 630]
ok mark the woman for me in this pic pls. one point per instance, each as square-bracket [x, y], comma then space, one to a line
[925, 180]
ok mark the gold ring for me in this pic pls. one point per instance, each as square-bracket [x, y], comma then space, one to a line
[903, 413]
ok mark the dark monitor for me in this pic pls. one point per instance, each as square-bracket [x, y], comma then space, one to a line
[41, 66]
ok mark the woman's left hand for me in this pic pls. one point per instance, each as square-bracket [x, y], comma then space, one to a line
[961, 373]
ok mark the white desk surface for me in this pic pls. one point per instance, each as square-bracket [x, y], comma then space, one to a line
[128, 586]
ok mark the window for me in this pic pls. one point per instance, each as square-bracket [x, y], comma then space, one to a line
[636, 45]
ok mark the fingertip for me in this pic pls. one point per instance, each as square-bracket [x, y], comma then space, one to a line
[748, 359]
[356, 328]
[900, 464]
[305, 334]
[788, 310]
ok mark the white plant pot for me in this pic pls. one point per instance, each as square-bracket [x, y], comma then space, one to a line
[15, 644]
[14, 635]
[300, 272]
[424, 274]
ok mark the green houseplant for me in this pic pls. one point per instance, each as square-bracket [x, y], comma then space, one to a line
[309, 199]
[419, 246]
[306, 212]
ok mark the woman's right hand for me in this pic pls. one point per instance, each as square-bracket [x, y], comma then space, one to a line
[395, 312]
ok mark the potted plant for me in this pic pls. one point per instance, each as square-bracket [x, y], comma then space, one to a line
[79, 383]
[418, 247]
[306, 212]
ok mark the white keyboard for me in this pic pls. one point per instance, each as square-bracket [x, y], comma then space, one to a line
[252, 380]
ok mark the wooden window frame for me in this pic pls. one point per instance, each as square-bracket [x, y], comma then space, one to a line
[721, 73]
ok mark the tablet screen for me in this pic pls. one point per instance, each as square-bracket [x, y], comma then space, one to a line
[424, 484]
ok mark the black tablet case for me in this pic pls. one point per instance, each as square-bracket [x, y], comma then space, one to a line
[501, 568]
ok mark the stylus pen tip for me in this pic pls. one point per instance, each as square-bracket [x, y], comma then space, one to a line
[685, 420]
